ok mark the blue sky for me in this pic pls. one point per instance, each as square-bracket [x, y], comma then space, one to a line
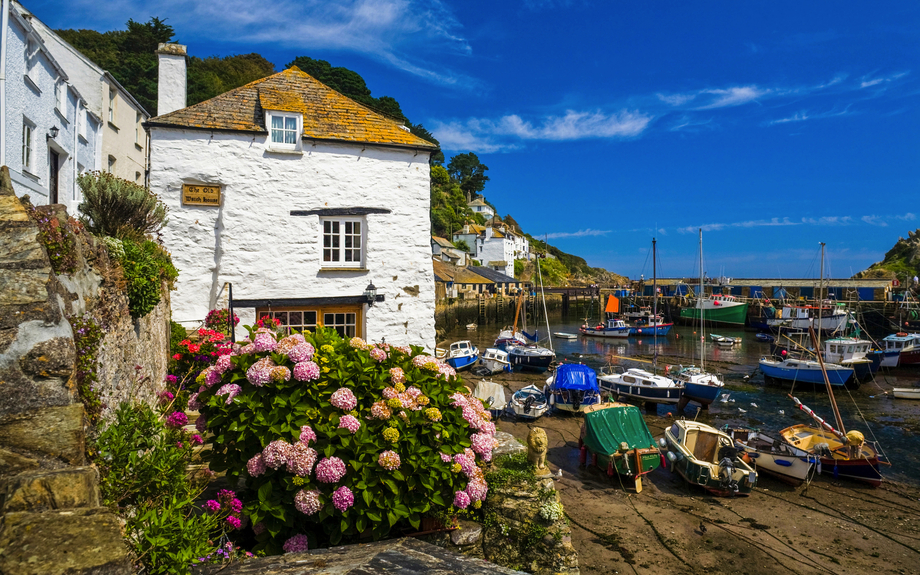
[773, 126]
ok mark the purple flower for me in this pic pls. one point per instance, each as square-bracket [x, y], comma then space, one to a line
[234, 522]
[236, 505]
[258, 528]
[223, 364]
[261, 372]
[330, 470]
[201, 424]
[296, 544]
[350, 423]
[307, 502]
[211, 376]
[193, 402]
[256, 465]
[171, 379]
[176, 419]
[306, 371]
[212, 506]
[344, 399]
[166, 397]
[197, 440]
[231, 390]
[343, 498]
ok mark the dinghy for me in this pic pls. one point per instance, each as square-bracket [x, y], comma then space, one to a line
[528, 403]
[573, 387]
[781, 460]
[461, 355]
[707, 457]
[493, 361]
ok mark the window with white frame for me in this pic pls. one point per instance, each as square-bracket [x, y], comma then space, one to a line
[111, 105]
[28, 152]
[343, 242]
[137, 128]
[60, 97]
[31, 58]
[111, 168]
[81, 124]
[284, 129]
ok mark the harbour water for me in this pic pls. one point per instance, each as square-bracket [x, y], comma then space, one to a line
[871, 409]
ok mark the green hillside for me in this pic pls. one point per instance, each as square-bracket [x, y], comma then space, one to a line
[902, 261]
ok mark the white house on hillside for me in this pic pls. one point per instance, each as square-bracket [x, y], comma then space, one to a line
[124, 140]
[480, 207]
[301, 199]
[495, 246]
[47, 134]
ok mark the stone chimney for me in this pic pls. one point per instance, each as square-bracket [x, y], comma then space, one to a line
[171, 88]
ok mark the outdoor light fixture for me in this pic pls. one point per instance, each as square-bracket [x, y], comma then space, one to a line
[371, 294]
[53, 133]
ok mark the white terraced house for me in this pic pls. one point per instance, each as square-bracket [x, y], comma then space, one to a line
[300, 199]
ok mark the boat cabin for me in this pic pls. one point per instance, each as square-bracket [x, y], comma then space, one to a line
[842, 349]
[460, 349]
[704, 443]
[901, 340]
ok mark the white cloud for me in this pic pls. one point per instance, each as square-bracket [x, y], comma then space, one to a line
[484, 135]
[733, 96]
[874, 221]
[868, 82]
[578, 234]
[828, 221]
[806, 115]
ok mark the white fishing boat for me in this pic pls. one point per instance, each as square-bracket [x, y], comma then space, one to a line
[639, 384]
[724, 340]
[906, 392]
[493, 361]
[787, 463]
[528, 403]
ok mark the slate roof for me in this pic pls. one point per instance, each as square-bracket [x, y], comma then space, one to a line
[443, 242]
[495, 276]
[327, 115]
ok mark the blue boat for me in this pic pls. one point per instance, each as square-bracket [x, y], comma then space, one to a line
[614, 328]
[804, 371]
[654, 328]
[765, 337]
[461, 355]
[573, 387]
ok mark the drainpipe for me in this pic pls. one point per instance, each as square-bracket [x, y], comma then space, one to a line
[75, 158]
[4, 22]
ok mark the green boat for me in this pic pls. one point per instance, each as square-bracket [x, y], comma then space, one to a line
[717, 308]
[707, 457]
[616, 437]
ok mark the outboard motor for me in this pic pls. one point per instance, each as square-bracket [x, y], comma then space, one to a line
[528, 403]
[577, 398]
[727, 457]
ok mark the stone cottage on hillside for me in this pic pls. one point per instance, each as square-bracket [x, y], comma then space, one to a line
[299, 198]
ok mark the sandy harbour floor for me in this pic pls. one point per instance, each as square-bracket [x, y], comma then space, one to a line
[827, 527]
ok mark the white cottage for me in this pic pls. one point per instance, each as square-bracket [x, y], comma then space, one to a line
[300, 199]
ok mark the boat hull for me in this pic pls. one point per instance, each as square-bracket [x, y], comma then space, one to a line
[463, 362]
[834, 458]
[777, 370]
[660, 329]
[644, 393]
[621, 332]
[606, 428]
[702, 393]
[730, 315]
[705, 474]
[786, 463]
[524, 409]
[531, 362]
[906, 392]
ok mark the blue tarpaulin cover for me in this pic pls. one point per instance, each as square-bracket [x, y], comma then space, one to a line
[575, 376]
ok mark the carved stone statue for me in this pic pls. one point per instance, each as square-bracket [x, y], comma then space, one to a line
[536, 448]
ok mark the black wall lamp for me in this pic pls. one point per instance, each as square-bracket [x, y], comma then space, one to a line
[53, 132]
[370, 293]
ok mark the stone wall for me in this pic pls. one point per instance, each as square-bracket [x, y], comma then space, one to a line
[50, 518]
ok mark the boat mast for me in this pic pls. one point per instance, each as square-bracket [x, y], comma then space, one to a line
[820, 302]
[549, 334]
[654, 307]
[827, 382]
[699, 302]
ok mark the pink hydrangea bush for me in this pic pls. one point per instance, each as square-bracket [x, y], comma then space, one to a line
[340, 437]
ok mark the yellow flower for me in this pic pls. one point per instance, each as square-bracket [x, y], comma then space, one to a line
[391, 434]
[394, 403]
[300, 480]
[326, 348]
[325, 370]
[399, 388]
[456, 468]
[433, 413]
[477, 504]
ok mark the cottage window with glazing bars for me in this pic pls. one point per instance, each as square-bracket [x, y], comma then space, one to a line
[27, 129]
[284, 130]
[343, 243]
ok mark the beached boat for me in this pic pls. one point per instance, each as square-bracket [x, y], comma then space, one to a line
[764, 337]
[564, 335]
[724, 339]
[460, 355]
[531, 357]
[907, 346]
[639, 384]
[471, 326]
[493, 361]
[614, 328]
[707, 457]
[906, 392]
[572, 387]
[528, 403]
[799, 370]
[492, 395]
[787, 463]
[614, 436]
[851, 352]
[717, 308]
[830, 318]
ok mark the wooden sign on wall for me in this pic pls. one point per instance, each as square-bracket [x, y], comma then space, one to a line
[200, 195]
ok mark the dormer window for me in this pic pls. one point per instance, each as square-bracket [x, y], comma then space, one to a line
[284, 131]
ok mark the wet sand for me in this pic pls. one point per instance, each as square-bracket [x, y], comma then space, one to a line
[827, 527]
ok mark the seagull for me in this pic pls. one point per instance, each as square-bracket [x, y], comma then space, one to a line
[782, 412]
[753, 404]
[732, 400]
[746, 377]
[724, 398]
[742, 410]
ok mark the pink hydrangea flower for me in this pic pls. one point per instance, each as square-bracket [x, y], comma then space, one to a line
[461, 500]
[256, 465]
[301, 459]
[224, 363]
[389, 460]
[258, 528]
[276, 453]
[307, 502]
[297, 544]
[306, 371]
[264, 342]
[193, 402]
[378, 354]
[298, 337]
[211, 377]
[176, 419]
[260, 372]
[397, 375]
[231, 390]
[330, 470]
[379, 410]
[344, 399]
[357, 343]
[483, 444]
[445, 458]
[350, 423]
[343, 498]
[477, 488]
[201, 424]
[301, 352]
[307, 434]
[467, 462]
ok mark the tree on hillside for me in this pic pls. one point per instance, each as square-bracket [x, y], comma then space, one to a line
[469, 172]
[130, 56]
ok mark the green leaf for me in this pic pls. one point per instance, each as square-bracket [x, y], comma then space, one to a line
[265, 491]
[367, 497]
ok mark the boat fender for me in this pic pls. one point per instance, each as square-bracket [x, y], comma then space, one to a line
[583, 455]
[610, 467]
[667, 369]
[745, 457]
[552, 399]
[672, 457]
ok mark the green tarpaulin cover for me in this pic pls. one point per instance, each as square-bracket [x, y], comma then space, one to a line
[605, 429]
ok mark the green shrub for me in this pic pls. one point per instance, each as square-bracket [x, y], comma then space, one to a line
[177, 333]
[143, 464]
[115, 207]
[393, 435]
[59, 238]
[146, 265]
[87, 337]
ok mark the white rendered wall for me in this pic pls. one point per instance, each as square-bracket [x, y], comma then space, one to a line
[252, 240]
[171, 87]
[498, 250]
